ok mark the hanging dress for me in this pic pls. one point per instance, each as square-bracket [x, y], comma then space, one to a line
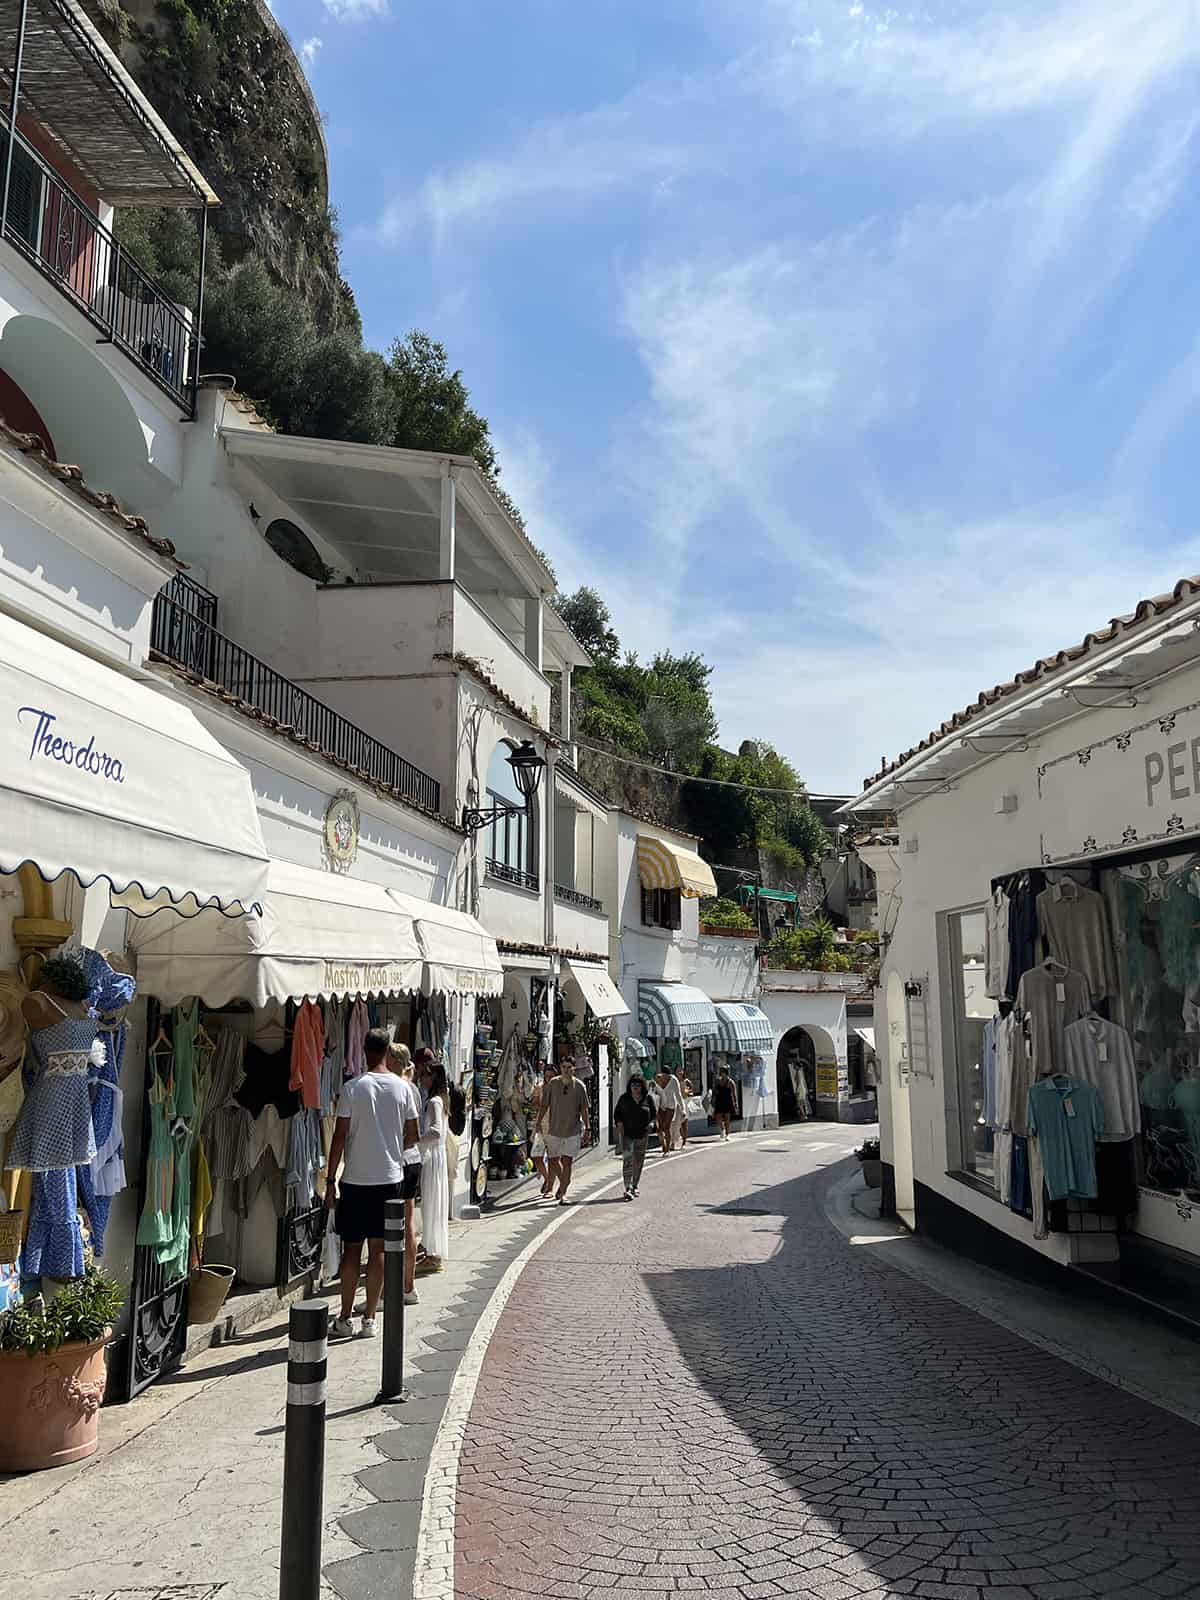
[154, 1228]
[104, 1176]
[53, 1129]
[435, 1181]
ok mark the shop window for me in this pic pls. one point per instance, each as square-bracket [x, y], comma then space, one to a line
[662, 908]
[1156, 912]
[966, 931]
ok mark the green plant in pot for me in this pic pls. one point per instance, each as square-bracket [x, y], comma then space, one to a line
[52, 1373]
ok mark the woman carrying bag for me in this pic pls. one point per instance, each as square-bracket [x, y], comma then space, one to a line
[435, 1178]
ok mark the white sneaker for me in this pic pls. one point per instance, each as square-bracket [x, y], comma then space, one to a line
[367, 1331]
[412, 1298]
[341, 1328]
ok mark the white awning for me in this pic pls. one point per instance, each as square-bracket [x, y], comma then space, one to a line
[459, 954]
[320, 935]
[103, 777]
[867, 1035]
[600, 992]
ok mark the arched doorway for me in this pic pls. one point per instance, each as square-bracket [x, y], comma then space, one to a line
[795, 1075]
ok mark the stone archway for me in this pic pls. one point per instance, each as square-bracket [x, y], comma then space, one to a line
[805, 1057]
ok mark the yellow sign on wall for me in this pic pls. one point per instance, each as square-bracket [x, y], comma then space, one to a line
[827, 1080]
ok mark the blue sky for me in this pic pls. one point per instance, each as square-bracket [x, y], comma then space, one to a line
[854, 346]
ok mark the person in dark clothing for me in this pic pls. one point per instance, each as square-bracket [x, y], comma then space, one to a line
[633, 1115]
[724, 1101]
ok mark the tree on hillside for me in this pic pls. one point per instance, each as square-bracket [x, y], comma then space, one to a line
[590, 620]
[433, 410]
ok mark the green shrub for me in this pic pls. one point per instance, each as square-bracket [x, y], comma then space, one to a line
[725, 914]
[79, 1314]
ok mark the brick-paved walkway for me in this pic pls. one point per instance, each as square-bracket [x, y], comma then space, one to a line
[751, 1406]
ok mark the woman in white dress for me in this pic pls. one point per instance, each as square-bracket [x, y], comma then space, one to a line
[435, 1177]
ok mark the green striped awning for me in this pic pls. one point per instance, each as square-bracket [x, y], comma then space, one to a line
[675, 1011]
[744, 1030]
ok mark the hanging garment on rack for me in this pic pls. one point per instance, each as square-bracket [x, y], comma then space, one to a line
[308, 1054]
[154, 1226]
[1074, 923]
[1067, 1117]
[996, 945]
[1002, 1166]
[1024, 937]
[1101, 1053]
[333, 1063]
[1020, 1196]
[1049, 998]
[185, 1025]
[357, 1030]
[1007, 1039]
[1037, 1191]
[987, 1072]
[305, 1157]
[266, 1083]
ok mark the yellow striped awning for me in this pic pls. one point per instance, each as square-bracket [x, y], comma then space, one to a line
[670, 866]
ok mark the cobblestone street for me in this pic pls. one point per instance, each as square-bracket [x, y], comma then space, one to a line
[714, 1391]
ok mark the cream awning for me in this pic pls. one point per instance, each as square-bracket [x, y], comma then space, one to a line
[459, 954]
[670, 866]
[320, 935]
[104, 777]
[600, 992]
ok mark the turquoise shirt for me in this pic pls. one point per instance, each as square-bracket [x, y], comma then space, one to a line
[1068, 1118]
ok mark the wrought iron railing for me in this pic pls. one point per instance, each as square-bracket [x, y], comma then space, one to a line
[507, 874]
[576, 898]
[184, 627]
[69, 244]
[182, 636]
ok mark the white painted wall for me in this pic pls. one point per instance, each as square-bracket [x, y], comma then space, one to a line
[726, 969]
[962, 844]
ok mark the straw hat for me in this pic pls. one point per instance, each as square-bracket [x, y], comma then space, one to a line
[12, 1023]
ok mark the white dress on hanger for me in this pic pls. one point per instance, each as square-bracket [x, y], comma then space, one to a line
[435, 1181]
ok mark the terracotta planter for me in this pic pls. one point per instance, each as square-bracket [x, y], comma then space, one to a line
[50, 1405]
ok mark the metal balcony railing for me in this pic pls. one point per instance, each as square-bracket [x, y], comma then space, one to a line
[575, 898]
[507, 874]
[181, 633]
[53, 228]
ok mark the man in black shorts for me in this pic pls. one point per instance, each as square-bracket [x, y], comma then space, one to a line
[377, 1129]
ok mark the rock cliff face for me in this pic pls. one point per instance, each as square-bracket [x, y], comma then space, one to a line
[224, 77]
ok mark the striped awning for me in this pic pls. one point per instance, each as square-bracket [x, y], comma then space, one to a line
[675, 1011]
[744, 1030]
[670, 866]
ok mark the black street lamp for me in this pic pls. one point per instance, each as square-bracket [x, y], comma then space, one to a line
[527, 768]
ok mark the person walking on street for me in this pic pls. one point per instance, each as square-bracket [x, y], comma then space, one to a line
[377, 1132]
[681, 1120]
[724, 1102]
[564, 1115]
[435, 1179]
[632, 1116]
[670, 1103]
[538, 1154]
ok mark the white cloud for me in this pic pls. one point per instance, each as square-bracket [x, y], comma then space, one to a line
[355, 10]
[309, 49]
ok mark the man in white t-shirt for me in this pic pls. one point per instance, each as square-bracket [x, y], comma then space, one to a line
[377, 1129]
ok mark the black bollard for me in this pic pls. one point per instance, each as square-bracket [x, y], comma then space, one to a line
[304, 1453]
[392, 1387]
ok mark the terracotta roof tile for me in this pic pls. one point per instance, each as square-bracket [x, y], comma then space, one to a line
[1144, 611]
[32, 448]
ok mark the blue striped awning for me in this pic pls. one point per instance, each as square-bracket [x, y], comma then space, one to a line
[744, 1030]
[675, 1011]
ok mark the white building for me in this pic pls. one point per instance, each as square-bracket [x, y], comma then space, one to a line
[1076, 779]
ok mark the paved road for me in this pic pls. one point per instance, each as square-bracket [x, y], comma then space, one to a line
[711, 1391]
